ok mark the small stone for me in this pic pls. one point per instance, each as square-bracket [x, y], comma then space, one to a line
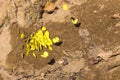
[60, 61]
[116, 16]
[49, 7]
[42, 74]
[117, 25]
[95, 11]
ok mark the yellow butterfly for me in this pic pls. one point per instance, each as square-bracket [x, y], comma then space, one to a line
[22, 35]
[65, 6]
[45, 54]
[74, 21]
[43, 28]
[56, 40]
[34, 55]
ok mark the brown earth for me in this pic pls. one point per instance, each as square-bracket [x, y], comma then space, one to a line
[77, 57]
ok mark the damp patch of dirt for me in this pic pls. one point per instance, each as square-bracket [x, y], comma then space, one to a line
[66, 31]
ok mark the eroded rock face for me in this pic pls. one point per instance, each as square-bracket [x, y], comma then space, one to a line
[25, 12]
[28, 12]
[5, 46]
[3, 11]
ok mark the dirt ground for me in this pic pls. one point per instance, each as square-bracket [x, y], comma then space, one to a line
[88, 52]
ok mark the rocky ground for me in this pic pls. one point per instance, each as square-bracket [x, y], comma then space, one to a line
[88, 52]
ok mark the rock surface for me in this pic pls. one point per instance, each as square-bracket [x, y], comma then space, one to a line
[98, 28]
[5, 46]
[74, 66]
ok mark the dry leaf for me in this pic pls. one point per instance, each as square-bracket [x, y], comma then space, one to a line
[49, 6]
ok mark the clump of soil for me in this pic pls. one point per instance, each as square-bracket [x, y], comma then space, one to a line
[67, 33]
